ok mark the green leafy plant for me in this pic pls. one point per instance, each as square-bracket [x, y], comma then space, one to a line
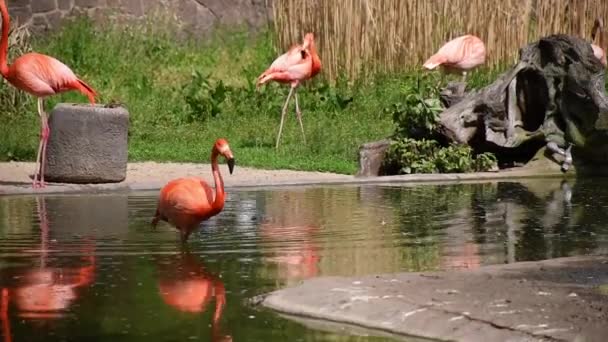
[407, 156]
[416, 115]
[416, 146]
[203, 97]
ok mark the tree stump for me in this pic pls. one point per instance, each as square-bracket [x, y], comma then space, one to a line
[87, 144]
[554, 97]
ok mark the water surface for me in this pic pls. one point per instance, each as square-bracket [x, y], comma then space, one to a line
[76, 267]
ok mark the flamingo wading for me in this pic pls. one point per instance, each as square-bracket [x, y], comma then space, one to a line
[41, 76]
[186, 202]
[459, 55]
[298, 64]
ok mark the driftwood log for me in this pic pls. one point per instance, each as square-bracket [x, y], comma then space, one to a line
[554, 97]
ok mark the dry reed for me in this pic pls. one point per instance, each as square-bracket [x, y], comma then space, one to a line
[361, 36]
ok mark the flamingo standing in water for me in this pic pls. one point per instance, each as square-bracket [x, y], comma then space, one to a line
[598, 51]
[459, 55]
[298, 64]
[186, 202]
[41, 76]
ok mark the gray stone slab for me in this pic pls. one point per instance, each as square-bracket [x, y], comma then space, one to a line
[553, 300]
[87, 144]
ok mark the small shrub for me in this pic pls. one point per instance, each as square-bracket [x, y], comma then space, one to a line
[203, 97]
[415, 117]
[407, 156]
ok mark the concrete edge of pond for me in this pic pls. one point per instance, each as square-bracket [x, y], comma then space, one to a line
[563, 299]
[13, 180]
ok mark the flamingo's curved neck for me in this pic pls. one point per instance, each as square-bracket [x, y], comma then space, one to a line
[218, 202]
[4, 41]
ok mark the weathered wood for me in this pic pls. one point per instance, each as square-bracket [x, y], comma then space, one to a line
[555, 94]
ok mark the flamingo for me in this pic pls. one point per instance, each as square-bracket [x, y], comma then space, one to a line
[598, 51]
[186, 202]
[459, 55]
[298, 64]
[41, 76]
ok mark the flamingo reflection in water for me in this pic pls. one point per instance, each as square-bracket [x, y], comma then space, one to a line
[185, 285]
[288, 233]
[45, 292]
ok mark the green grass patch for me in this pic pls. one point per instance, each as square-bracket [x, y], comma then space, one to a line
[182, 94]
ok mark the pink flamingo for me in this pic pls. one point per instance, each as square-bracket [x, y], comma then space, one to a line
[298, 64]
[41, 76]
[459, 55]
[598, 51]
[186, 202]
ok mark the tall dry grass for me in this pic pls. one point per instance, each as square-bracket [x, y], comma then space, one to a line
[357, 36]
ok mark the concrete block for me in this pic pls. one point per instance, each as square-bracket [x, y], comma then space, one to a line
[87, 144]
[371, 156]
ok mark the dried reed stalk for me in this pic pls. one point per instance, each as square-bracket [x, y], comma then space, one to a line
[365, 36]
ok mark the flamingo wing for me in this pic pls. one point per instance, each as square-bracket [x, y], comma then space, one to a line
[464, 52]
[293, 65]
[183, 197]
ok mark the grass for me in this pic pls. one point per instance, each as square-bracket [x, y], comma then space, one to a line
[168, 85]
[184, 94]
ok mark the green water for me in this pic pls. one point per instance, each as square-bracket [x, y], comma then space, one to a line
[91, 268]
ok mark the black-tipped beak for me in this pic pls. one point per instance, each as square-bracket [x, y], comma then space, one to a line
[230, 164]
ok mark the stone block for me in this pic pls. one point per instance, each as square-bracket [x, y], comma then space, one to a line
[371, 156]
[87, 144]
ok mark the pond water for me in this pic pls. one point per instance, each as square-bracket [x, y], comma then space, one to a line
[76, 267]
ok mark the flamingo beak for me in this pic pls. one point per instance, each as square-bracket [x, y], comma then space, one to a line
[230, 162]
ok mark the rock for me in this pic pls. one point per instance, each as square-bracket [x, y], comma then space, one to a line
[87, 144]
[371, 156]
[554, 97]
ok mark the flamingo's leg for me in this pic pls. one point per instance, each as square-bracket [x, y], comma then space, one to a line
[36, 183]
[283, 116]
[46, 131]
[155, 219]
[464, 77]
[299, 115]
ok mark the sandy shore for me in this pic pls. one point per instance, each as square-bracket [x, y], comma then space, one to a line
[15, 178]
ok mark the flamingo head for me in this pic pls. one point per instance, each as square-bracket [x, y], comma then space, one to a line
[309, 41]
[221, 147]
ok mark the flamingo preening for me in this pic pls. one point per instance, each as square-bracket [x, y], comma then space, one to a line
[459, 55]
[298, 64]
[41, 76]
[186, 202]
[598, 50]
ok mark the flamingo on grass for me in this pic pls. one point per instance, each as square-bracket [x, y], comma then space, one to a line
[459, 55]
[186, 202]
[41, 76]
[298, 64]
